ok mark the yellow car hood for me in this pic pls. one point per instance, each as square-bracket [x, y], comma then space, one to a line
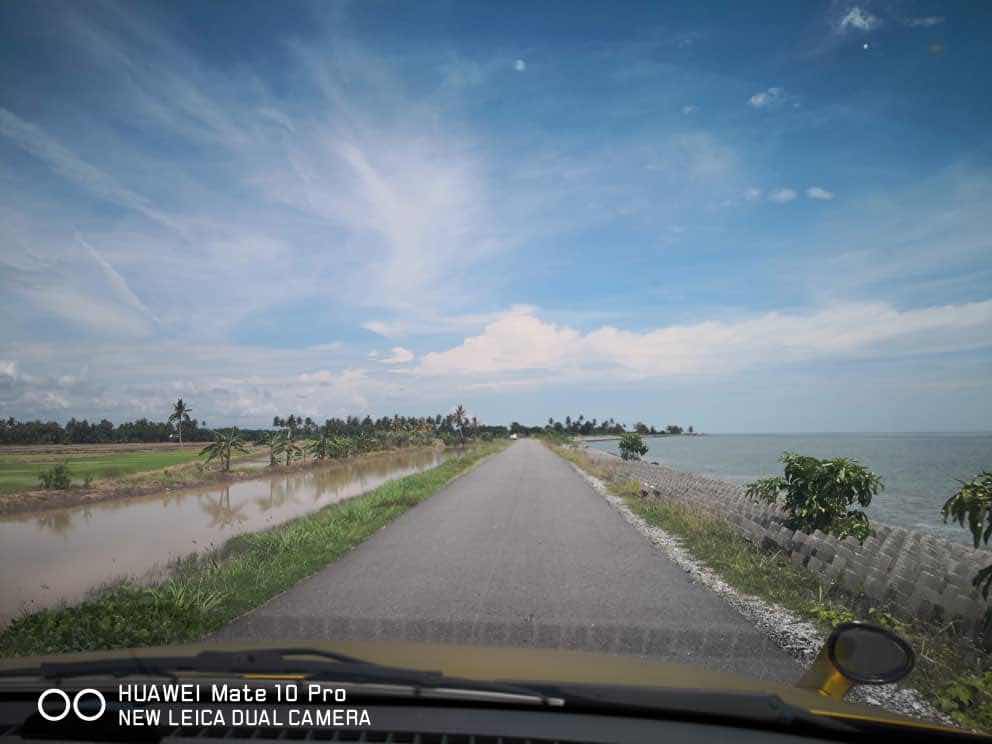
[534, 665]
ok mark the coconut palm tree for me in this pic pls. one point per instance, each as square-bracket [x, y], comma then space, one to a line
[226, 442]
[459, 420]
[180, 415]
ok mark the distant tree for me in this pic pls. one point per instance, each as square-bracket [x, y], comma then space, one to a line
[180, 415]
[819, 494]
[973, 501]
[632, 446]
[641, 428]
[690, 430]
[223, 446]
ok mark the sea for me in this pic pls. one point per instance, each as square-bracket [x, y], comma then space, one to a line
[920, 471]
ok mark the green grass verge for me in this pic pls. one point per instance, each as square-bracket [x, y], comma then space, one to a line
[208, 591]
[951, 672]
[20, 472]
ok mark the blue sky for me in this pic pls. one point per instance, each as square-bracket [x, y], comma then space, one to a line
[743, 218]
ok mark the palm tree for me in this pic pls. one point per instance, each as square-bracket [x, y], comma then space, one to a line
[226, 442]
[459, 419]
[180, 415]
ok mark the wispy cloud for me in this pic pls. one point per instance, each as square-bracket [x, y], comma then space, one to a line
[770, 98]
[60, 159]
[924, 21]
[859, 19]
[782, 196]
[820, 193]
[398, 355]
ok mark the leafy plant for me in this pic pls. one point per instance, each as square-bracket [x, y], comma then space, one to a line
[291, 450]
[223, 446]
[973, 501]
[968, 699]
[320, 449]
[818, 494]
[276, 442]
[632, 446]
[56, 478]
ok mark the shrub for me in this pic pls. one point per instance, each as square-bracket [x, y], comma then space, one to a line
[632, 447]
[818, 494]
[56, 477]
[973, 501]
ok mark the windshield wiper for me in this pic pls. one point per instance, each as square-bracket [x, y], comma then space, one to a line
[327, 666]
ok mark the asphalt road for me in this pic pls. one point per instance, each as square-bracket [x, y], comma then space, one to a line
[520, 551]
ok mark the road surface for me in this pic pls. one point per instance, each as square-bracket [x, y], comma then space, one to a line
[520, 551]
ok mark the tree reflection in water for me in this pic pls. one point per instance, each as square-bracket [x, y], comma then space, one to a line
[59, 522]
[222, 514]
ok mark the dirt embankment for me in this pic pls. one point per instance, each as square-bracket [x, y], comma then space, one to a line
[170, 479]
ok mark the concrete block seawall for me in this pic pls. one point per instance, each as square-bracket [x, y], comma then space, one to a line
[909, 573]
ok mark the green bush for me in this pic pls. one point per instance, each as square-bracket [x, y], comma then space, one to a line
[56, 477]
[967, 700]
[632, 447]
[973, 502]
[819, 494]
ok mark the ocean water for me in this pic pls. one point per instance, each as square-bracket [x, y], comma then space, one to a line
[920, 471]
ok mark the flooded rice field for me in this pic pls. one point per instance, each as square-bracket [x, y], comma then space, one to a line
[60, 555]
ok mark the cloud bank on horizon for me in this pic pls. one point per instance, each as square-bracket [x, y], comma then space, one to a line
[646, 215]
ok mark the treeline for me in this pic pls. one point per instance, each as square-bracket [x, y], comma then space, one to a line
[82, 431]
[588, 427]
[450, 428]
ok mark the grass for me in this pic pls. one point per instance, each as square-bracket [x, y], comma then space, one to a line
[951, 673]
[208, 591]
[20, 472]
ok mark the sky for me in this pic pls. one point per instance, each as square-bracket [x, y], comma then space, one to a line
[745, 217]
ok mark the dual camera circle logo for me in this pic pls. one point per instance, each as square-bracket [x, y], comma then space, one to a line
[71, 704]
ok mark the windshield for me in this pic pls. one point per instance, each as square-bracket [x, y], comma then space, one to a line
[661, 332]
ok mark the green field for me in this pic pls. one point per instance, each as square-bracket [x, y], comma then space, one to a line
[19, 472]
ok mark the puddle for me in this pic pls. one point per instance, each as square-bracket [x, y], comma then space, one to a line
[58, 555]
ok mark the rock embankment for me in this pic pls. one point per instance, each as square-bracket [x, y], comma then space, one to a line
[911, 573]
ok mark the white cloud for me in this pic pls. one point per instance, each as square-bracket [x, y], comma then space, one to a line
[753, 194]
[523, 344]
[859, 19]
[321, 377]
[782, 196]
[768, 98]
[816, 192]
[924, 22]
[687, 110]
[519, 65]
[398, 355]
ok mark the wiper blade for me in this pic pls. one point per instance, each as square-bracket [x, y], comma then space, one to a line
[328, 666]
[264, 661]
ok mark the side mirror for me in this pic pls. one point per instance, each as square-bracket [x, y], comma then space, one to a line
[858, 654]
